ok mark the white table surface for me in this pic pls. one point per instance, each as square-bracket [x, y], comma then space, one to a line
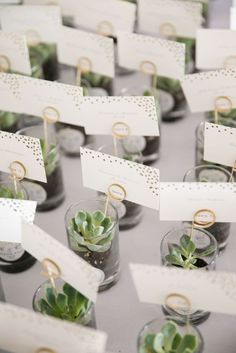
[118, 311]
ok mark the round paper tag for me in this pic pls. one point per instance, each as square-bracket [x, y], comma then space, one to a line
[223, 104]
[116, 192]
[17, 170]
[204, 218]
[84, 64]
[148, 68]
[105, 28]
[4, 63]
[51, 114]
[32, 37]
[120, 130]
[178, 303]
[51, 268]
[167, 30]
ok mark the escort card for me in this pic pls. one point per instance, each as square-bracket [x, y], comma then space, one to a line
[74, 270]
[34, 332]
[53, 100]
[22, 156]
[220, 54]
[12, 213]
[151, 55]
[180, 201]
[233, 17]
[14, 54]
[41, 2]
[37, 23]
[105, 17]
[139, 183]
[203, 90]
[86, 50]
[206, 290]
[219, 144]
[101, 113]
[169, 18]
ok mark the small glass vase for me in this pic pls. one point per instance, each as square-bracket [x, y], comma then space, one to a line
[215, 174]
[129, 213]
[13, 258]
[51, 194]
[155, 326]
[86, 318]
[203, 241]
[104, 255]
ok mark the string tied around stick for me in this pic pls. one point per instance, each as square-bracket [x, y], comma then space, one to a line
[50, 115]
[105, 28]
[5, 64]
[203, 218]
[115, 192]
[222, 104]
[120, 130]
[18, 172]
[33, 37]
[51, 271]
[177, 302]
[167, 30]
[149, 68]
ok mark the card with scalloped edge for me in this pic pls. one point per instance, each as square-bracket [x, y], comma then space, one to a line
[104, 114]
[150, 55]
[74, 270]
[105, 16]
[36, 23]
[85, 50]
[12, 214]
[52, 100]
[14, 53]
[140, 182]
[22, 156]
[169, 18]
[180, 201]
[206, 290]
[34, 332]
[206, 91]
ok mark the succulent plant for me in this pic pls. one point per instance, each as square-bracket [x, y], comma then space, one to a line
[92, 232]
[50, 157]
[67, 305]
[7, 120]
[185, 254]
[8, 193]
[169, 340]
[96, 80]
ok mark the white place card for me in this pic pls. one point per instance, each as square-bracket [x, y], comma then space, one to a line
[140, 114]
[233, 17]
[14, 53]
[41, 2]
[105, 16]
[220, 54]
[169, 17]
[202, 90]
[34, 331]
[220, 144]
[206, 290]
[74, 270]
[12, 214]
[23, 154]
[80, 48]
[57, 101]
[37, 23]
[151, 55]
[180, 201]
[140, 182]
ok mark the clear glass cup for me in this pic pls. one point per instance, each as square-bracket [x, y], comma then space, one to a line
[202, 240]
[104, 256]
[154, 327]
[149, 146]
[13, 258]
[130, 214]
[86, 319]
[212, 173]
[51, 194]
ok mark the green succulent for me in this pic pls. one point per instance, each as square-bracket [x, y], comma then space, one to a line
[42, 51]
[7, 120]
[185, 254]
[67, 305]
[96, 80]
[169, 340]
[91, 231]
[50, 157]
[8, 193]
[226, 119]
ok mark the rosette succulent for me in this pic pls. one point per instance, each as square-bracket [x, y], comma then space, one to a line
[170, 340]
[8, 193]
[50, 157]
[92, 232]
[67, 304]
[7, 120]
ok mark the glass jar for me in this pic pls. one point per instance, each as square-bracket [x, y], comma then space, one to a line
[214, 174]
[47, 58]
[80, 311]
[13, 258]
[205, 254]
[149, 146]
[51, 194]
[154, 327]
[129, 213]
[102, 253]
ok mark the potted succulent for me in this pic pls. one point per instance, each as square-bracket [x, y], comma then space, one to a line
[93, 235]
[129, 213]
[13, 258]
[190, 249]
[46, 55]
[51, 194]
[99, 81]
[212, 173]
[170, 336]
[65, 303]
